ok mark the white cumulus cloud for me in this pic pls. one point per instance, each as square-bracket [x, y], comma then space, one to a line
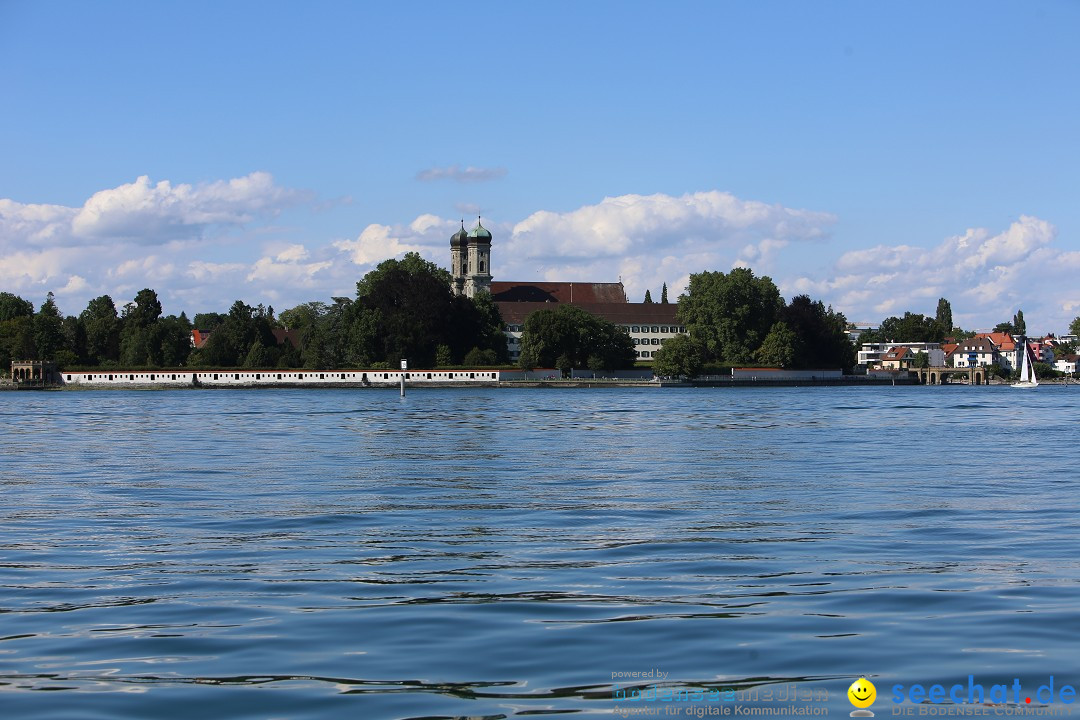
[648, 240]
[986, 276]
[154, 213]
[376, 242]
[630, 223]
[100, 246]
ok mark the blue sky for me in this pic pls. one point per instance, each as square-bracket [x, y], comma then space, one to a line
[874, 155]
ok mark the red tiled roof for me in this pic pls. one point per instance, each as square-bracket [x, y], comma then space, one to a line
[896, 353]
[948, 348]
[566, 292]
[199, 337]
[293, 336]
[622, 313]
[1002, 340]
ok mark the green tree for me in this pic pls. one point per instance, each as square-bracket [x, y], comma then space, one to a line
[1065, 348]
[258, 356]
[1074, 326]
[909, 328]
[231, 341]
[820, 337]
[480, 358]
[567, 336]
[413, 305]
[663, 295]
[144, 311]
[324, 344]
[528, 358]
[13, 306]
[405, 309]
[564, 363]
[959, 334]
[362, 346]
[944, 314]
[16, 330]
[74, 342]
[173, 341]
[48, 330]
[208, 321]
[483, 322]
[141, 335]
[680, 356]
[1045, 370]
[102, 327]
[289, 356]
[1018, 322]
[922, 360]
[1007, 327]
[730, 313]
[302, 316]
[443, 357]
[778, 348]
[648, 298]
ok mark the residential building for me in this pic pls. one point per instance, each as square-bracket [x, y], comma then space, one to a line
[1008, 350]
[977, 351]
[1066, 363]
[854, 330]
[897, 358]
[1042, 351]
[872, 354]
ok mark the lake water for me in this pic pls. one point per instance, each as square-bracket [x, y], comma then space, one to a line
[505, 553]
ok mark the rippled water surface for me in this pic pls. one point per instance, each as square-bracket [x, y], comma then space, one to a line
[502, 553]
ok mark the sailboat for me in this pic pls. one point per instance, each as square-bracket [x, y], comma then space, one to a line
[1027, 370]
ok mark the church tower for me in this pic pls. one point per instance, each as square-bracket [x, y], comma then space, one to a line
[470, 260]
[458, 267]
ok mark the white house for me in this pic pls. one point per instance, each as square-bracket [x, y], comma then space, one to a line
[976, 351]
[1066, 363]
[873, 354]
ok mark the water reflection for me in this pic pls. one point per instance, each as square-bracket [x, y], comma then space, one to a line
[501, 553]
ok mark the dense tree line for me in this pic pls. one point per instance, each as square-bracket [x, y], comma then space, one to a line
[99, 336]
[909, 328]
[402, 309]
[567, 337]
[736, 318]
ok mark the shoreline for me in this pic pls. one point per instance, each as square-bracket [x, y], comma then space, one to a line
[578, 383]
[487, 379]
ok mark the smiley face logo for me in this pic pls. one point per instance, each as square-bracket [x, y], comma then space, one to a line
[862, 693]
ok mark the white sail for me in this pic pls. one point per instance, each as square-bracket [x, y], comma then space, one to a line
[1027, 369]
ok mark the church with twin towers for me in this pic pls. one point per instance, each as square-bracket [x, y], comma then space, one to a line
[648, 324]
[470, 260]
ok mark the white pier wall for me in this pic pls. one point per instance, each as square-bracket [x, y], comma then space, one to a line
[294, 378]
